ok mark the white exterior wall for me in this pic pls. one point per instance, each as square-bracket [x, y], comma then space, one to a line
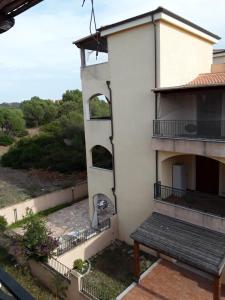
[131, 57]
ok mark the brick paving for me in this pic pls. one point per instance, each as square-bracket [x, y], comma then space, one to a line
[167, 281]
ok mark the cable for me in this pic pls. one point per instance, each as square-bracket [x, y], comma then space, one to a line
[93, 21]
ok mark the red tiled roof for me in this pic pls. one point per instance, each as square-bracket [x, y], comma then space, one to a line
[208, 79]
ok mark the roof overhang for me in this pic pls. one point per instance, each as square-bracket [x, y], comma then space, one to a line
[199, 247]
[93, 42]
[188, 88]
[12, 8]
[156, 15]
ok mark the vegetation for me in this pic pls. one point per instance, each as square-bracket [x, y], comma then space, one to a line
[37, 240]
[60, 145]
[41, 214]
[112, 269]
[23, 277]
[80, 266]
[3, 224]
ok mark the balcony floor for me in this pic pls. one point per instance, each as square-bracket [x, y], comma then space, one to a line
[211, 204]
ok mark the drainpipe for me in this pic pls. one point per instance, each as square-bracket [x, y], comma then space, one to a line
[156, 95]
[113, 146]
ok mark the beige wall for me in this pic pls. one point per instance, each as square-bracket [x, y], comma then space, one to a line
[46, 275]
[131, 58]
[219, 58]
[167, 167]
[92, 246]
[182, 55]
[44, 202]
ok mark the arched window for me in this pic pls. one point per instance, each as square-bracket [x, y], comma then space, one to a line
[101, 158]
[99, 107]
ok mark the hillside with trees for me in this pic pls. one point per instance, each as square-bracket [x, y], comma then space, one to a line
[60, 143]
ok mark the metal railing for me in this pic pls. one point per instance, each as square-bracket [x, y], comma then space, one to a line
[166, 193]
[82, 237]
[189, 128]
[93, 291]
[59, 267]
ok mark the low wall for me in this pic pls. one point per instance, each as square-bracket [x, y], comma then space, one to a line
[47, 276]
[92, 246]
[189, 215]
[16, 212]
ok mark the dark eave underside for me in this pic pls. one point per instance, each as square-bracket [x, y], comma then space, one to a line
[188, 88]
[93, 42]
[15, 7]
[196, 246]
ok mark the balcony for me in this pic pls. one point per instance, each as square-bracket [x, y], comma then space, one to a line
[190, 136]
[202, 209]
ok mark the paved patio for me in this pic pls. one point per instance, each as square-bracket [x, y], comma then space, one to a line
[72, 218]
[168, 281]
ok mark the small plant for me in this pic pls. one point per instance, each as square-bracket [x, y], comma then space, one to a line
[37, 239]
[80, 266]
[3, 223]
[6, 140]
[59, 287]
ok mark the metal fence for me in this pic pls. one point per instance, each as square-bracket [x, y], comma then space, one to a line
[167, 193]
[59, 267]
[189, 128]
[93, 291]
[82, 237]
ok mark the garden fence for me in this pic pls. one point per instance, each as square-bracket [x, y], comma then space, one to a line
[93, 291]
[82, 237]
[59, 267]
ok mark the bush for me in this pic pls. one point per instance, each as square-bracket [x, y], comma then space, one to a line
[6, 140]
[3, 224]
[37, 239]
[80, 266]
[47, 151]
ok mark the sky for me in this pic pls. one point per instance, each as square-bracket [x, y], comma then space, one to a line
[37, 57]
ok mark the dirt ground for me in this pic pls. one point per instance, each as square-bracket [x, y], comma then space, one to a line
[19, 185]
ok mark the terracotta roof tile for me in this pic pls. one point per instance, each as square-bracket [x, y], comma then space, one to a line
[208, 79]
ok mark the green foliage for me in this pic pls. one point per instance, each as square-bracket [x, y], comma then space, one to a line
[59, 287]
[99, 108]
[3, 223]
[11, 121]
[37, 239]
[38, 111]
[47, 151]
[101, 158]
[6, 140]
[80, 266]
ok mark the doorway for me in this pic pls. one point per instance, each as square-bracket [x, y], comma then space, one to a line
[209, 110]
[207, 175]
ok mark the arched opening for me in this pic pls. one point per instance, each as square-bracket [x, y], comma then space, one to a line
[99, 108]
[101, 158]
[193, 181]
[104, 206]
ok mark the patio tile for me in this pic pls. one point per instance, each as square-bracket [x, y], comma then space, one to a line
[168, 281]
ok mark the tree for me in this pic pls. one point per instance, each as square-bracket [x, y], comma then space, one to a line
[71, 101]
[11, 121]
[99, 108]
[37, 239]
[38, 111]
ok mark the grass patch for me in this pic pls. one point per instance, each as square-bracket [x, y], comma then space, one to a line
[112, 269]
[40, 214]
[23, 277]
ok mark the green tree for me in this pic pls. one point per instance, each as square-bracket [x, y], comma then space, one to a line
[11, 121]
[38, 111]
[71, 101]
[99, 108]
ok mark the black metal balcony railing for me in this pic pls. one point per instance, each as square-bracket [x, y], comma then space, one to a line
[189, 128]
[82, 237]
[208, 203]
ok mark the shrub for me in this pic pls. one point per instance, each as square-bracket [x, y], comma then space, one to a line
[80, 266]
[6, 140]
[47, 151]
[37, 239]
[3, 223]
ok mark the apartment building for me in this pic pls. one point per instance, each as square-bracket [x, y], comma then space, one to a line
[165, 134]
